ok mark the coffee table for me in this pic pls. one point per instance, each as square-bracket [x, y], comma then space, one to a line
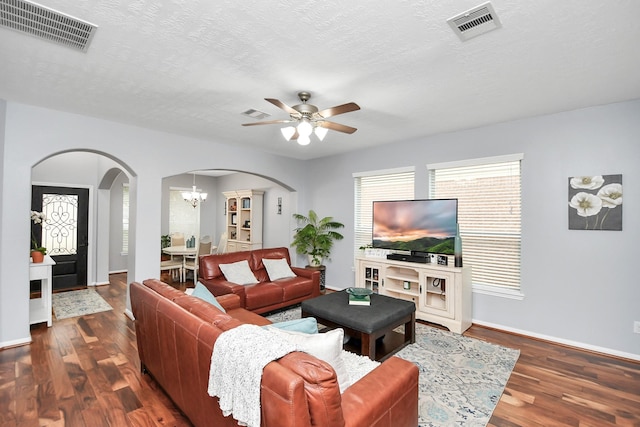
[368, 323]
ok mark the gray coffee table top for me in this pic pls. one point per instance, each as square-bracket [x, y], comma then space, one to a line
[382, 312]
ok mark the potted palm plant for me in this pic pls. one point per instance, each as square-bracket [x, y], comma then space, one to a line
[315, 236]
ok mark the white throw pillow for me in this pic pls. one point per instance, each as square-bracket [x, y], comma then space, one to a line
[277, 269]
[326, 346]
[239, 273]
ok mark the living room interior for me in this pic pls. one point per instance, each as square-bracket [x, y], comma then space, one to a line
[556, 83]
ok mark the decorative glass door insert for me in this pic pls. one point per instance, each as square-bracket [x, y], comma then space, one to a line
[59, 233]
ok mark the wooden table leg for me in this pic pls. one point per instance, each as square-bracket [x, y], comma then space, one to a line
[367, 346]
[410, 329]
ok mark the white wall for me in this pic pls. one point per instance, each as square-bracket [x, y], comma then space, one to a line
[579, 286]
[118, 261]
[136, 150]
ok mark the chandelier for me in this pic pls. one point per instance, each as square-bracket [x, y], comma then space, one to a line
[194, 197]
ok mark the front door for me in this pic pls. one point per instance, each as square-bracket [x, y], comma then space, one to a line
[64, 233]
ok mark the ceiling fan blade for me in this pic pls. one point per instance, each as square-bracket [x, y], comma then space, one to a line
[339, 109]
[282, 105]
[268, 122]
[336, 126]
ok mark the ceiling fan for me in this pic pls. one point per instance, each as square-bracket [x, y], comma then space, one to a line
[309, 119]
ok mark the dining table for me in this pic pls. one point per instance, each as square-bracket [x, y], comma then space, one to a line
[183, 250]
[180, 250]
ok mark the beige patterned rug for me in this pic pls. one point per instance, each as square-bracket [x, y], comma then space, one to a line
[461, 378]
[78, 303]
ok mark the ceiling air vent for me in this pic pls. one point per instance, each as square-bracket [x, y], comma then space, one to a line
[44, 23]
[474, 22]
[255, 114]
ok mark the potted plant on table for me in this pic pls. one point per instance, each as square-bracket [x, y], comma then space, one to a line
[315, 236]
[37, 252]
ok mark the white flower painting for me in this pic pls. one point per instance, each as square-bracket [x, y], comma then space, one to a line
[595, 202]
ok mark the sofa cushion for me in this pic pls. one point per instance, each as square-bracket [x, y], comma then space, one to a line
[246, 316]
[200, 308]
[326, 346]
[277, 268]
[307, 325]
[163, 289]
[262, 295]
[239, 273]
[295, 287]
[201, 291]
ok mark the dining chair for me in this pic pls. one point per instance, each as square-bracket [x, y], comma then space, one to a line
[175, 266]
[177, 239]
[191, 262]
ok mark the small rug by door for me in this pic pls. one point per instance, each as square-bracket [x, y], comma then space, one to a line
[78, 303]
[461, 378]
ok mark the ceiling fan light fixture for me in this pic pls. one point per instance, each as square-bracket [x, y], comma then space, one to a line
[320, 132]
[306, 119]
[305, 128]
[304, 139]
[288, 132]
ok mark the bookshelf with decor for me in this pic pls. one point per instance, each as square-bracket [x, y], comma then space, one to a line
[441, 293]
[244, 220]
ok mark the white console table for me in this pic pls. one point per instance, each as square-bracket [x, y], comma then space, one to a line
[40, 308]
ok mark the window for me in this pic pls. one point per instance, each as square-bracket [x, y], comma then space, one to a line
[125, 218]
[394, 184]
[489, 209]
[183, 217]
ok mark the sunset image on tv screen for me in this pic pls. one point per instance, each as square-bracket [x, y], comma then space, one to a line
[415, 225]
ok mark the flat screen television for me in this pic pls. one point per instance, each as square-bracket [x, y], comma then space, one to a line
[419, 226]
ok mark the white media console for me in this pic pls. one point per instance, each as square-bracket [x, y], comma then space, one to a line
[442, 293]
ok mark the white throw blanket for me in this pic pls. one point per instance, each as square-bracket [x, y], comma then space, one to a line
[238, 358]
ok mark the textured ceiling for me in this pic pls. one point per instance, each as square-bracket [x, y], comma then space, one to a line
[192, 66]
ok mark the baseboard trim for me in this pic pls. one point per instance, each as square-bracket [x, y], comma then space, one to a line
[129, 314]
[562, 341]
[15, 343]
[118, 271]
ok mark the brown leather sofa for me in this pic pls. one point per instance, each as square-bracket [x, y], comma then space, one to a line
[266, 295]
[176, 334]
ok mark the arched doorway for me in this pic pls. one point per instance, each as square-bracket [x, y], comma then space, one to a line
[95, 174]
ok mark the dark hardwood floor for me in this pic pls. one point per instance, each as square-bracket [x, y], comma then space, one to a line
[85, 372]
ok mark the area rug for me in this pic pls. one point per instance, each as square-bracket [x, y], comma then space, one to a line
[461, 378]
[78, 303]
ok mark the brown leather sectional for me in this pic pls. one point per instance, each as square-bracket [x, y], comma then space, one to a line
[266, 295]
[176, 334]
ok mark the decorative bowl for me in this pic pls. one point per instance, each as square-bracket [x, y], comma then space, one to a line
[359, 291]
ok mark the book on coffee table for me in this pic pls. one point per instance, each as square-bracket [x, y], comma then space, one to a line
[359, 299]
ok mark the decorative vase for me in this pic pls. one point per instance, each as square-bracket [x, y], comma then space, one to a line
[37, 256]
[312, 263]
[457, 248]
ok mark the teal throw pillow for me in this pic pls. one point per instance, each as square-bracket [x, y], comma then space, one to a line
[204, 294]
[307, 325]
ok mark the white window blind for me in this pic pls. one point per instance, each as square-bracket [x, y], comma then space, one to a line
[378, 186]
[125, 218]
[489, 209]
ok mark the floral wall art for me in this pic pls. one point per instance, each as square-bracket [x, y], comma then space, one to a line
[595, 202]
